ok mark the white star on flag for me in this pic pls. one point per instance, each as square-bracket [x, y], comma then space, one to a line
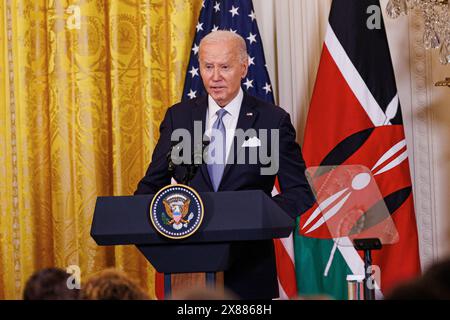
[251, 61]
[248, 83]
[234, 11]
[215, 28]
[194, 71]
[252, 15]
[195, 48]
[199, 26]
[192, 94]
[251, 38]
[268, 88]
[217, 7]
[203, 3]
[234, 31]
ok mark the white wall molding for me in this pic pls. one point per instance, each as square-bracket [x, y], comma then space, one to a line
[422, 143]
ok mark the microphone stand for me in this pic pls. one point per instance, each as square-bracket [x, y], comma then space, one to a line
[367, 245]
[190, 168]
[191, 171]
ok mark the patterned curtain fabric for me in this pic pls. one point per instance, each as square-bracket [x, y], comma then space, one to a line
[83, 87]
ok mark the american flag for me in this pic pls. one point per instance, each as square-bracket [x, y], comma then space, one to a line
[236, 16]
[239, 16]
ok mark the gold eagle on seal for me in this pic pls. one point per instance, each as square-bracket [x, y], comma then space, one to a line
[177, 212]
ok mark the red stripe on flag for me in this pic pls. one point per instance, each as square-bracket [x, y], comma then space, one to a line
[285, 270]
[159, 285]
[335, 112]
[285, 266]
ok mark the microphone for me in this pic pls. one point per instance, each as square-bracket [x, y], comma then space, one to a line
[199, 151]
[171, 167]
[196, 160]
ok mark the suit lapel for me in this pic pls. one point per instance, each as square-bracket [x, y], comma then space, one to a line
[199, 114]
[199, 111]
[246, 120]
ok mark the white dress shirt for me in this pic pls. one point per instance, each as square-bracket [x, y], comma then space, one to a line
[230, 119]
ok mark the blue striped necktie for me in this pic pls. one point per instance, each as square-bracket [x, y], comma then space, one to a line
[218, 144]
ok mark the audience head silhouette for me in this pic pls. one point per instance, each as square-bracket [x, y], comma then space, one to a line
[112, 284]
[434, 284]
[49, 284]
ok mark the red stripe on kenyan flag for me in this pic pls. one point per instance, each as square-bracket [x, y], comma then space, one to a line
[338, 114]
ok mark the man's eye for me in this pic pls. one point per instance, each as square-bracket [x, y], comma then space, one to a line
[225, 67]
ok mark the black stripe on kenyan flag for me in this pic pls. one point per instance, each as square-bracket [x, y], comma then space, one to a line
[346, 148]
[367, 49]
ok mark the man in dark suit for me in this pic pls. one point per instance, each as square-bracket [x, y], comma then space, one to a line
[223, 63]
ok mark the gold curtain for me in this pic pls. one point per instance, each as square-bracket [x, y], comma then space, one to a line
[84, 85]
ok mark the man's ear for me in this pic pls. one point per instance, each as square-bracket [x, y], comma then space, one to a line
[245, 71]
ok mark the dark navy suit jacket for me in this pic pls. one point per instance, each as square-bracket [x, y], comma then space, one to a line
[253, 275]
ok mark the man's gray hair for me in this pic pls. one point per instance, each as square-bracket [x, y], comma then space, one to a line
[225, 35]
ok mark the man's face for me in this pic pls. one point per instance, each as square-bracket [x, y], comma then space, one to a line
[221, 70]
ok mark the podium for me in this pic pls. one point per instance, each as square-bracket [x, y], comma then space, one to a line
[230, 218]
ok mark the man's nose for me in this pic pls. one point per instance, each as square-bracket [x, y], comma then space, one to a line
[216, 74]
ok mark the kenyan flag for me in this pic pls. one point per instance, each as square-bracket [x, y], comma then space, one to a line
[355, 119]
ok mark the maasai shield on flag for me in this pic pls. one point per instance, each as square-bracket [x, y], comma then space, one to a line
[239, 16]
[355, 119]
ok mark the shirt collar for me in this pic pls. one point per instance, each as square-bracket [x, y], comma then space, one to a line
[232, 108]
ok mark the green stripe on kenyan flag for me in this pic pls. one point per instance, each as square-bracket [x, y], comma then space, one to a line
[311, 258]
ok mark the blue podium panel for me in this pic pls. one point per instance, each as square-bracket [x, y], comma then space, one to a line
[230, 218]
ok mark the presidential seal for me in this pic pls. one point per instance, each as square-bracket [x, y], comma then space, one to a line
[176, 211]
